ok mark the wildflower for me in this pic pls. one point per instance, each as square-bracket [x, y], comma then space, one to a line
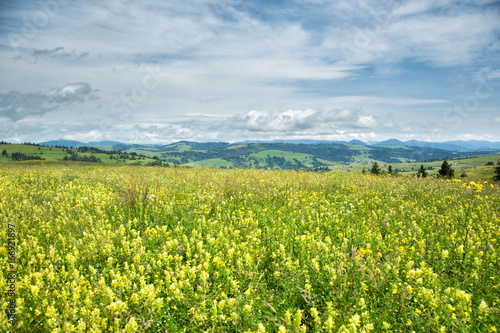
[247, 308]
[314, 313]
[329, 323]
[297, 319]
[362, 303]
[355, 320]
[483, 307]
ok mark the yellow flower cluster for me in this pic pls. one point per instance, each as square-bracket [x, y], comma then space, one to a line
[136, 249]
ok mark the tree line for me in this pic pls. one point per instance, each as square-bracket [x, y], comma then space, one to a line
[446, 171]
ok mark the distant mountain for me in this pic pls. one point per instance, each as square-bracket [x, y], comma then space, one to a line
[451, 146]
[306, 142]
[103, 143]
[358, 142]
[447, 145]
[422, 144]
[295, 142]
[73, 143]
[65, 143]
[436, 145]
[391, 142]
[475, 144]
[189, 145]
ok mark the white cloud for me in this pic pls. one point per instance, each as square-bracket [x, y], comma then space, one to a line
[367, 122]
[222, 59]
[15, 105]
[439, 33]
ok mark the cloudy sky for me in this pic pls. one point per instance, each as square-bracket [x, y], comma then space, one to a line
[231, 70]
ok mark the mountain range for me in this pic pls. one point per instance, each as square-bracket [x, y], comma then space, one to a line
[203, 146]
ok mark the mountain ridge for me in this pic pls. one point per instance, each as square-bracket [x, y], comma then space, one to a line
[455, 145]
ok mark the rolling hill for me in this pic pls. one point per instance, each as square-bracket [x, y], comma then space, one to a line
[285, 155]
[405, 157]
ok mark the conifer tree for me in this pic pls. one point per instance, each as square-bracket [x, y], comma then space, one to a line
[497, 171]
[421, 172]
[446, 170]
[375, 169]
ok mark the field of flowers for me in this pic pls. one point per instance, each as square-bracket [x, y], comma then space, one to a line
[136, 249]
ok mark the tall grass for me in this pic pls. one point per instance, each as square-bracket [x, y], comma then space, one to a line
[130, 249]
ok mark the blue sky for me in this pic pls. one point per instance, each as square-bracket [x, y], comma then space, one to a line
[232, 70]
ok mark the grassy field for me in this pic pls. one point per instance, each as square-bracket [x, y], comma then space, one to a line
[474, 166]
[211, 163]
[105, 248]
[49, 154]
[288, 156]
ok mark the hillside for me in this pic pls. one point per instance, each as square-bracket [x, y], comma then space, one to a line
[257, 155]
[27, 153]
[473, 166]
[282, 155]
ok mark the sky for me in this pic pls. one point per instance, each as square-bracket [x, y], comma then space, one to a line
[233, 70]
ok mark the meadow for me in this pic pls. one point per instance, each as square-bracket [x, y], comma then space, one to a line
[106, 248]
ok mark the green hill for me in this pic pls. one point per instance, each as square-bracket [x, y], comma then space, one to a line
[290, 155]
[274, 155]
[30, 153]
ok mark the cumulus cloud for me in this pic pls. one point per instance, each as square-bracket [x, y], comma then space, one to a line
[341, 124]
[15, 105]
[286, 121]
[223, 58]
[318, 124]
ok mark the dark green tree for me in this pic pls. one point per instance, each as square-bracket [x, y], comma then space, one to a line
[375, 169]
[389, 170]
[421, 172]
[4, 153]
[446, 171]
[497, 171]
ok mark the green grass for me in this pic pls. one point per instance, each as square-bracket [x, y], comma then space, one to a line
[460, 165]
[47, 153]
[58, 154]
[306, 159]
[237, 146]
[211, 163]
[108, 248]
